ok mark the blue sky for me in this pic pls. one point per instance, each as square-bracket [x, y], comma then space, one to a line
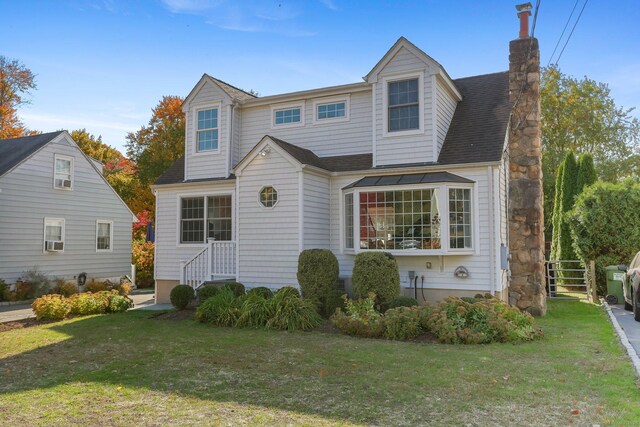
[104, 64]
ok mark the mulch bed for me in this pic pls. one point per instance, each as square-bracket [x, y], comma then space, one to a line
[23, 323]
[188, 314]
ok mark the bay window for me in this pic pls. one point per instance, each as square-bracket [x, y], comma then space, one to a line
[203, 218]
[433, 219]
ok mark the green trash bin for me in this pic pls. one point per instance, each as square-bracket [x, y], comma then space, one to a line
[614, 285]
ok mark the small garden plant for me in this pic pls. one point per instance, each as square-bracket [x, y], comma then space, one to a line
[453, 320]
[181, 296]
[58, 307]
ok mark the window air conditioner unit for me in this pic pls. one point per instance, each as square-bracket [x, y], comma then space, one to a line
[54, 246]
[66, 183]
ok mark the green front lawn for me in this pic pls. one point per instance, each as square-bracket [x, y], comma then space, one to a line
[129, 369]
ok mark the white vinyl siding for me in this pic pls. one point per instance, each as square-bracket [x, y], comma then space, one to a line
[104, 236]
[268, 238]
[169, 251]
[407, 146]
[445, 107]
[27, 197]
[316, 211]
[338, 138]
[213, 163]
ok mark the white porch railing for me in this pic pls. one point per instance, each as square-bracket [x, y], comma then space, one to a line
[215, 261]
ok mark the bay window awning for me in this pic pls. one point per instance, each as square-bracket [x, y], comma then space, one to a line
[408, 179]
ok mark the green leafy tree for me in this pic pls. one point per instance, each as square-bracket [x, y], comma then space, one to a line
[581, 116]
[16, 81]
[557, 212]
[587, 174]
[604, 225]
[156, 146]
[94, 147]
[569, 190]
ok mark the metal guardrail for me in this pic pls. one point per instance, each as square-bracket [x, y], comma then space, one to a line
[568, 279]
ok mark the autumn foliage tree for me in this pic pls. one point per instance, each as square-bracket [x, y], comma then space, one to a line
[15, 82]
[156, 146]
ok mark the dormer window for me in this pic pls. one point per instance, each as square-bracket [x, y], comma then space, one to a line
[207, 131]
[404, 105]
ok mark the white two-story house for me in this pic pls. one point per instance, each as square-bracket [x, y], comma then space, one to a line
[409, 161]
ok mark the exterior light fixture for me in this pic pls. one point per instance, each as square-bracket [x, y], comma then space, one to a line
[266, 150]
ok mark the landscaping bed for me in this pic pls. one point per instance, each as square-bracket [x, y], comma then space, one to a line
[129, 366]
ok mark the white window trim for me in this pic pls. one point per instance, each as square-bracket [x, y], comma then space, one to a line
[443, 201]
[71, 169]
[44, 234]
[288, 106]
[179, 198]
[385, 103]
[343, 238]
[277, 197]
[332, 100]
[105, 221]
[194, 115]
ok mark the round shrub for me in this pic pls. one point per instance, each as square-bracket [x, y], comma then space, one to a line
[181, 296]
[207, 291]
[235, 287]
[288, 292]
[119, 303]
[265, 293]
[318, 272]
[376, 272]
[221, 309]
[402, 301]
[402, 323]
[88, 303]
[54, 307]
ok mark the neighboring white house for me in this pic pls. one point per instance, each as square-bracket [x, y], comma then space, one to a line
[408, 161]
[57, 212]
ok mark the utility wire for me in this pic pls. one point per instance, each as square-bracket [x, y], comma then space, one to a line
[571, 33]
[563, 31]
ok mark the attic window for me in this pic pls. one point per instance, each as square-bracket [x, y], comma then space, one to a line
[291, 115]
[287, 115]
[63, 172]
[404, 105]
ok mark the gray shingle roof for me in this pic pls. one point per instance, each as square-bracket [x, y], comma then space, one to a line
[479, 125]
[175, 175]
[233, 91]
[13, 151]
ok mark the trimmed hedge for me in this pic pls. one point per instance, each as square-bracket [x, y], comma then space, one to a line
[181, 296]
[317, 275]
[376, 272]
[57, 307]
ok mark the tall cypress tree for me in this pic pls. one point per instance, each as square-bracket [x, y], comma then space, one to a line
[586, 172]
[569, 191]
[557, 205]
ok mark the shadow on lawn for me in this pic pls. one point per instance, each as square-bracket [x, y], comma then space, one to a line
[330, 376]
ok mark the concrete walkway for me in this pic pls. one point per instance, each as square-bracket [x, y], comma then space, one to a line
[142, 301]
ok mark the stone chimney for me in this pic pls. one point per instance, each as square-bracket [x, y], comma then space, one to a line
[526, 214]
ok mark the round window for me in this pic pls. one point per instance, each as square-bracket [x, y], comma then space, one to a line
[268, 197]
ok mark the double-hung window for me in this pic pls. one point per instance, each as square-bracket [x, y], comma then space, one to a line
[53, 234]
[403, 105]
[104, 236]
[203, 218]
[63, 172]
[207, 130]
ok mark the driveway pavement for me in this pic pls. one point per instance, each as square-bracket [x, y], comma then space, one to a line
[630, 327]
[143, 301]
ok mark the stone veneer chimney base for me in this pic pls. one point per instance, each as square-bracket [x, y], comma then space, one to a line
[526, 215]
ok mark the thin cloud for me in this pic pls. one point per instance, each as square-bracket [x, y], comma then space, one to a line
[329, 4]
[247, 16]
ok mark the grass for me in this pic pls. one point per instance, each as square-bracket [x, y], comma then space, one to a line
[129, 369]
